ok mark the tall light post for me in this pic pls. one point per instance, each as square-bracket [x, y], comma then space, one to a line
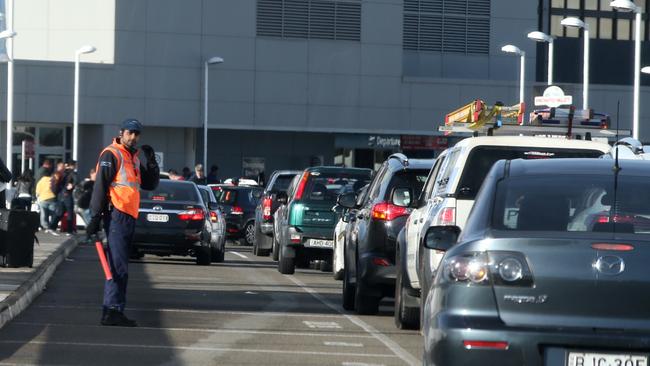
[522, 67]
[627, 6]
[75, 121]
[543, 37]
[211, 61]
[9, 36]
[577, 23]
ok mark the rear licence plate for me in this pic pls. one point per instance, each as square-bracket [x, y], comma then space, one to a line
[605, 359]
[157, 218]
[319, 243]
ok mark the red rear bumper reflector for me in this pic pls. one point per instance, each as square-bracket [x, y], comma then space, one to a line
[485, 345]
[380, 262]
[612, 246]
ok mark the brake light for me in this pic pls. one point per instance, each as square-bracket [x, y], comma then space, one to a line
[387, 211]
[236, 210]
[213, 216]
[191, 215]
[485, 345]
[301, 186]
[266, 208]
[447, 216]
[616, 218]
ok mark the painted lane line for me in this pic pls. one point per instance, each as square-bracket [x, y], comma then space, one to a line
[216, 312]
[238, 254]
[322, 325]
[195, 348]
[392, 345]
[360, 364]
[342, 344]
[208, 330]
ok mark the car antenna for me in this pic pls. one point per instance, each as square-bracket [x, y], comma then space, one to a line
[617, 169]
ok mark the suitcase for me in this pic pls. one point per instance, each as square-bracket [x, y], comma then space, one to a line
[17, 233]
[64, 222]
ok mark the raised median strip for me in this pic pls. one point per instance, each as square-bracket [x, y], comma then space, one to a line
[20, 286]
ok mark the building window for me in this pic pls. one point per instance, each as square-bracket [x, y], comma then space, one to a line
[458, 26]
[318, 19]
[604, 22]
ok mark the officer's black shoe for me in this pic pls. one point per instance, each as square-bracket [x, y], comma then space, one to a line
[113, 317]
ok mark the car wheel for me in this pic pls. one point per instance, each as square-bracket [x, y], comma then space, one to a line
[338, 274]
[203, 256]
[275, 251]
[405, 317]
[348, 289]
[259, 237]
[325, 266]
[249, 234]
[218, 255]
[364, 303]
[286, 265]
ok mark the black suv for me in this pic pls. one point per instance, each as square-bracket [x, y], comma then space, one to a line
[266, 207]
[238, 205]
[369, 269]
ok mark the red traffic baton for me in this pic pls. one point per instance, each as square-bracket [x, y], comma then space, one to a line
[102, 259]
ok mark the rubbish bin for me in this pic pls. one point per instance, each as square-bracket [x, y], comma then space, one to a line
[17, 229]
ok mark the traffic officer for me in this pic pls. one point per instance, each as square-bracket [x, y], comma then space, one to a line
[116, 199]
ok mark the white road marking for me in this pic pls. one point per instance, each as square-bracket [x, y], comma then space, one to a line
[392, 345]
[360, 364]
[342, 344]
[209, 330]
[250, 293]
[322, 325]
[217, 312]
[238, 254]
[194, 348]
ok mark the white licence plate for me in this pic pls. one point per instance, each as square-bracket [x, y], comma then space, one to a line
[605, 359]
[319, 243]
[157, 218]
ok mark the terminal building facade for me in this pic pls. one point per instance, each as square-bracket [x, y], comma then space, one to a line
[304, 82]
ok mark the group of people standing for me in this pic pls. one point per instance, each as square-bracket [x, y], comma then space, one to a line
[198, 176]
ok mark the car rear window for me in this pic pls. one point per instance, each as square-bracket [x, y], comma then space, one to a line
[239, 197]
[168, 190]
[412, 178]
[573, 203]
[282, 182]
[326, 187]
[481, 159]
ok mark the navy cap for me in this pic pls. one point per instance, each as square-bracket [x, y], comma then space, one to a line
[131, 124]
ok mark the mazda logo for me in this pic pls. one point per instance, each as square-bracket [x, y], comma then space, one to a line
[610, 265]
[157, 208]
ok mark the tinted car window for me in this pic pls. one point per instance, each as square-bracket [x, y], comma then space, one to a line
[282, 183]
[575, 203]
[481, 159]
[169, 191]
[326, 187]
[412, 178]
[240, 197]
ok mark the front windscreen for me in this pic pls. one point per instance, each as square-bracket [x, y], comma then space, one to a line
[573, 203]
[326, 187]
[481, 159]
[168, 190]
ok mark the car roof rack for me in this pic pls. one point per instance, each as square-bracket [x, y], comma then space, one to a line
[403, 159]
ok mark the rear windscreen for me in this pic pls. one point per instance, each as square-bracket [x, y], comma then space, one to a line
[168, 190]
[282, 183]
[412, 178]
[326, 187]
[481, 159]
[239, 197]
[578, 203]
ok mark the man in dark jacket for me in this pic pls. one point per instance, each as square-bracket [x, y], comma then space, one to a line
[66, 198]
[116, 200]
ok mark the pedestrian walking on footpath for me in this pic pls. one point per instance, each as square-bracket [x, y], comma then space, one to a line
[47, 202]
[46, 167]
[56, 185]
[66, 197]
[116, 200]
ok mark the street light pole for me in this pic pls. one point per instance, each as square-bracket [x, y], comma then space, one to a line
[9, 17]
[211, 61]
[75, 120]
[577, 23]
[543, 37]
[522, 67]
[629, 6]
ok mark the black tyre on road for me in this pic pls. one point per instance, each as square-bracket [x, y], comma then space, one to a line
[249, 234]
[364, 303]
[348, 288]
[204, 256]
[406, 317]
[218, 255]
[275, 252]
[260, 238]
[286, 265]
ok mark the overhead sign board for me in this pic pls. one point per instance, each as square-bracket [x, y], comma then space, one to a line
[553, 97]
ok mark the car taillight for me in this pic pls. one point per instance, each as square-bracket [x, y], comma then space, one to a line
[446, 216]
[301, 186]
[387, 211]
[503, 268]
[213, 216]
[191, 215]
[236, 210]
[266, 208]
[616, 218]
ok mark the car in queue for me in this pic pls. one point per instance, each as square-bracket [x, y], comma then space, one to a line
[218, 224]
[521, 284]
[173, 220]
[448, 197]
[266, 207]
[238, 204]
[304, 225]
[346, 216]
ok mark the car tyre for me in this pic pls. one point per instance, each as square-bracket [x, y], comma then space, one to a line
[405, 317]
[259, 237]
[349, 289]
[249, 234]
[325, 266]
[286, 265]
[203, 256]
[338, 275]
[275, 251]
[218, 255]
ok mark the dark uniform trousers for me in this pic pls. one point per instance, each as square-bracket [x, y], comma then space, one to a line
[119, 231]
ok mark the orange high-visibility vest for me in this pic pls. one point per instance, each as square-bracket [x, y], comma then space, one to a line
[125, 188]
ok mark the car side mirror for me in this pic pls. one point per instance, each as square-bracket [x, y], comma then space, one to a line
[402, 196]
[347, 200]
[441, 237]
[282, 197]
